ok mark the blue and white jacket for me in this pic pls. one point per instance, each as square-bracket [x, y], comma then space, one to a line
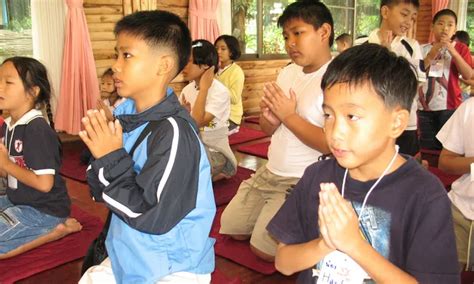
[161, 198]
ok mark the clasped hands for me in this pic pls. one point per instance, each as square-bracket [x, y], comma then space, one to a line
[101, 135]
[275, 106]
[338, 222]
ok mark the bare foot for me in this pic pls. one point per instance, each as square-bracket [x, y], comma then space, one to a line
[71, 225]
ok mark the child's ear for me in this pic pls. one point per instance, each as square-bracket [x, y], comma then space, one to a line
[399, 123]
[325, 31]
[35, 91]
[384, 11]
[166, 65]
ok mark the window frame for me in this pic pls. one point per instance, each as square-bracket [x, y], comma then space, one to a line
[259, 55]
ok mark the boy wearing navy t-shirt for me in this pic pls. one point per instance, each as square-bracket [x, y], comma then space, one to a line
[370, 214]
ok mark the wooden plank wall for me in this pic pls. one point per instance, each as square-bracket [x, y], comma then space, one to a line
[424, 21]
[102, 15]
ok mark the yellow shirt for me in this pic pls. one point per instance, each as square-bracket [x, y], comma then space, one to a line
[233, 78]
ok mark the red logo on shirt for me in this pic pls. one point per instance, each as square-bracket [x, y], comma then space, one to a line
[20, 161]
[18, 145]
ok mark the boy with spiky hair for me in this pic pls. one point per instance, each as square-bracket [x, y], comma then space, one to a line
[396, 19]
[370, 214]
[159, 190]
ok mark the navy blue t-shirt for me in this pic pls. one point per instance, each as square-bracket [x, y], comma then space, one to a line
[407, 218]
[34, 145]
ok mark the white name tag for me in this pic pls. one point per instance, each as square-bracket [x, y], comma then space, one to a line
[12, 181]
[436, 69]
[339, 268]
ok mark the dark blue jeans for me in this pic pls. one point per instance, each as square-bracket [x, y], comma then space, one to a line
[429, 124]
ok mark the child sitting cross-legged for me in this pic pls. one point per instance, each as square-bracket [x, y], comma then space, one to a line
[371, 214]
[35, 208]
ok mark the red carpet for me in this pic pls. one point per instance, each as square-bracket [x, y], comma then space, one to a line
[218, 277]
[446, 179]
[258, 149]
[252, 119]
[225, 189]
[53, 254]
[246, 134]
[237, 251]
[72, 167]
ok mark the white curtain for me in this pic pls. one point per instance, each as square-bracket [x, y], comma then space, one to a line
[460, 8]
[48, 24]
[224, 16]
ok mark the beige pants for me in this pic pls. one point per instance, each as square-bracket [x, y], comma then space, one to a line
[462, 228]
[102, 274]
[258, 199]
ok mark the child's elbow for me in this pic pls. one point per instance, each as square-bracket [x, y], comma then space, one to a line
[468, 75]
[45, 188]
[45, 184]
[283, 270]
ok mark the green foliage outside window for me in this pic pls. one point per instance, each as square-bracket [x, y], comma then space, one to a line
[470, 22]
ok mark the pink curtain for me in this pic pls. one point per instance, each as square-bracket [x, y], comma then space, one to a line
[79, 84]
[436, 6]
[202, 19]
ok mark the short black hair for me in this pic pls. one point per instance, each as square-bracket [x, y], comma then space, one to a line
[463, 37]
[204, 53]
[345, 37]
[391, 3]
[311, 12]
[232, 44]
[445, 12]
[392, 77]
[108, 72]
[159, 29]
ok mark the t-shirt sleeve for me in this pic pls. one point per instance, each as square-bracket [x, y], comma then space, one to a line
[218, 102]
[452, 133]
[284, 77]
[288, 225]
[431, 252]
[417, 61]
[41, 148]
[464, 52]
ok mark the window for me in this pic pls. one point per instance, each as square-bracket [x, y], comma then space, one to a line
[470, 22]
[15, 28]
[254, 23]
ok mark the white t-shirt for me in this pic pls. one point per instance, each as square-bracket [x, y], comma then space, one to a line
[217, 103]
[457, 135]
[399, 49]
[287, 155]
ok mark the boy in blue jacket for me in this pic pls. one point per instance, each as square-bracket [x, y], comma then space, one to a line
[160, 192]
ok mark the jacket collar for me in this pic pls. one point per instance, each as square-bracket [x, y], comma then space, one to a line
[169, 106]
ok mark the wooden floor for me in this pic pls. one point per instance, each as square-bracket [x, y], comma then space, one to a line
[70, 272]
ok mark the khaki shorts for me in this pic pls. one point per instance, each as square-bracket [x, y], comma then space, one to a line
[258, 199]
[462, 227]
